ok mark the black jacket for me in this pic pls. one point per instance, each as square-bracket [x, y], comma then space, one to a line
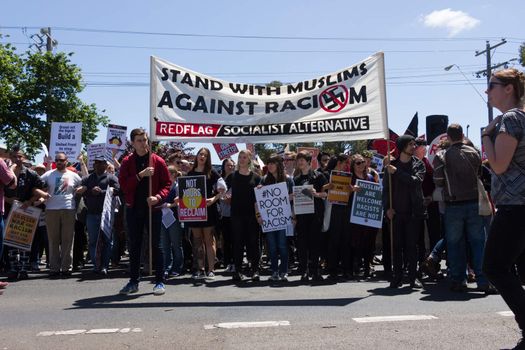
[413, 182]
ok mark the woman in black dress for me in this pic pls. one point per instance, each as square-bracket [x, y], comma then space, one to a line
[203, 239]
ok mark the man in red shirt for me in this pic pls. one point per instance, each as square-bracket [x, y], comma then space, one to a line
[136, 171]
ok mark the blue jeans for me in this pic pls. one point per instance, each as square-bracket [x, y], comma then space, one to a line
[463, 224]
[171, 240]
[95, 233]
[438, 250]
[278, 248]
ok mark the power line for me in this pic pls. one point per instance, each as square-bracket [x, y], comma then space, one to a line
[248, 50]
[224, 36]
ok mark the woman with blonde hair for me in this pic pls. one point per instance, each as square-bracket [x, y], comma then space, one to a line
[245, 230]
[504, 143]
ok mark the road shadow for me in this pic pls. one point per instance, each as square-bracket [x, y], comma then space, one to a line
[441, 292]
[131, 301]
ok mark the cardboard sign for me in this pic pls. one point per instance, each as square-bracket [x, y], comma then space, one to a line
[340, 193]
[303, 200]
[67, 138]
[274, 206]
[225, 150]
[314, 152]
[378, 161]
[116, 138]
[93, 151]
[192, 198]
[21, 226]
[367, 206]
[108, 213]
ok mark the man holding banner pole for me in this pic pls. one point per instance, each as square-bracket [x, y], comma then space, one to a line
[404, 207]
[135, 171]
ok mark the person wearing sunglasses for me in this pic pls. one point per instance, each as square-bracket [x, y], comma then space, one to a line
[61, 185]
[362, 237]
[504, 143]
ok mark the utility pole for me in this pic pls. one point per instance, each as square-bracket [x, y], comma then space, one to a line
[488, 70]
[39, 42]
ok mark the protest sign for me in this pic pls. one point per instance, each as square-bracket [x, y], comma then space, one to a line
[67, 138]
[303, 200]
[378, 161]
[274, 206]
[93, 151]
[21, 226]
[349, 104]
[314, 152]
[192, 198]
[367, 206]
[225, 150]
[108, 213]
[116, 137]
[168, 218]
[340, 193]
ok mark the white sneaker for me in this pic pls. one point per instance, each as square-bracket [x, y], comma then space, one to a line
[210, 276]
[159, 289]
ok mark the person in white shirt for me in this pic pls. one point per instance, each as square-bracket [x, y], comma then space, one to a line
[61, 185]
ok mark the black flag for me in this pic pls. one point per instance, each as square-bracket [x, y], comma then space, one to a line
[412, 127]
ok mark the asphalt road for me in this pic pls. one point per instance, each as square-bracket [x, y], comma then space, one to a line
[35, 313]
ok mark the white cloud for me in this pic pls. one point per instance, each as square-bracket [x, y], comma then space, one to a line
[454, 21]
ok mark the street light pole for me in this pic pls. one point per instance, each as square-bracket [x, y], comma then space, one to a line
[447, 68]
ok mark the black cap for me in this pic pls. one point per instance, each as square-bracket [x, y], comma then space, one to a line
[402, 142]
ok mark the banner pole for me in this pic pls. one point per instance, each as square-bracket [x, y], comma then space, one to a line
[150, 186]
[391, 222]
[150, 209]
[387, 132]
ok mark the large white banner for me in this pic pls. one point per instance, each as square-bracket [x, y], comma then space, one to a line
[349, 104]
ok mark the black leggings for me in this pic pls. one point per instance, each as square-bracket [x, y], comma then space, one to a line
[505, 244]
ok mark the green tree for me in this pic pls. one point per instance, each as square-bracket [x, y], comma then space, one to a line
[37, 89]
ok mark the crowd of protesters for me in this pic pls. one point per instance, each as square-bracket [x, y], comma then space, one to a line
[431, 212]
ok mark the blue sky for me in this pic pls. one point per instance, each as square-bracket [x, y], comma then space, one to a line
[419, 39]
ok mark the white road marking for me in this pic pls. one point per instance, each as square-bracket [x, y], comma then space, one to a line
[70, 332]
[103, 331]
[230, 325]
[506, 313]
[91, 331]
[394, 318]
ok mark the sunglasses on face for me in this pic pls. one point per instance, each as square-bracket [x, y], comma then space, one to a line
[359, 162]
[492, 84]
